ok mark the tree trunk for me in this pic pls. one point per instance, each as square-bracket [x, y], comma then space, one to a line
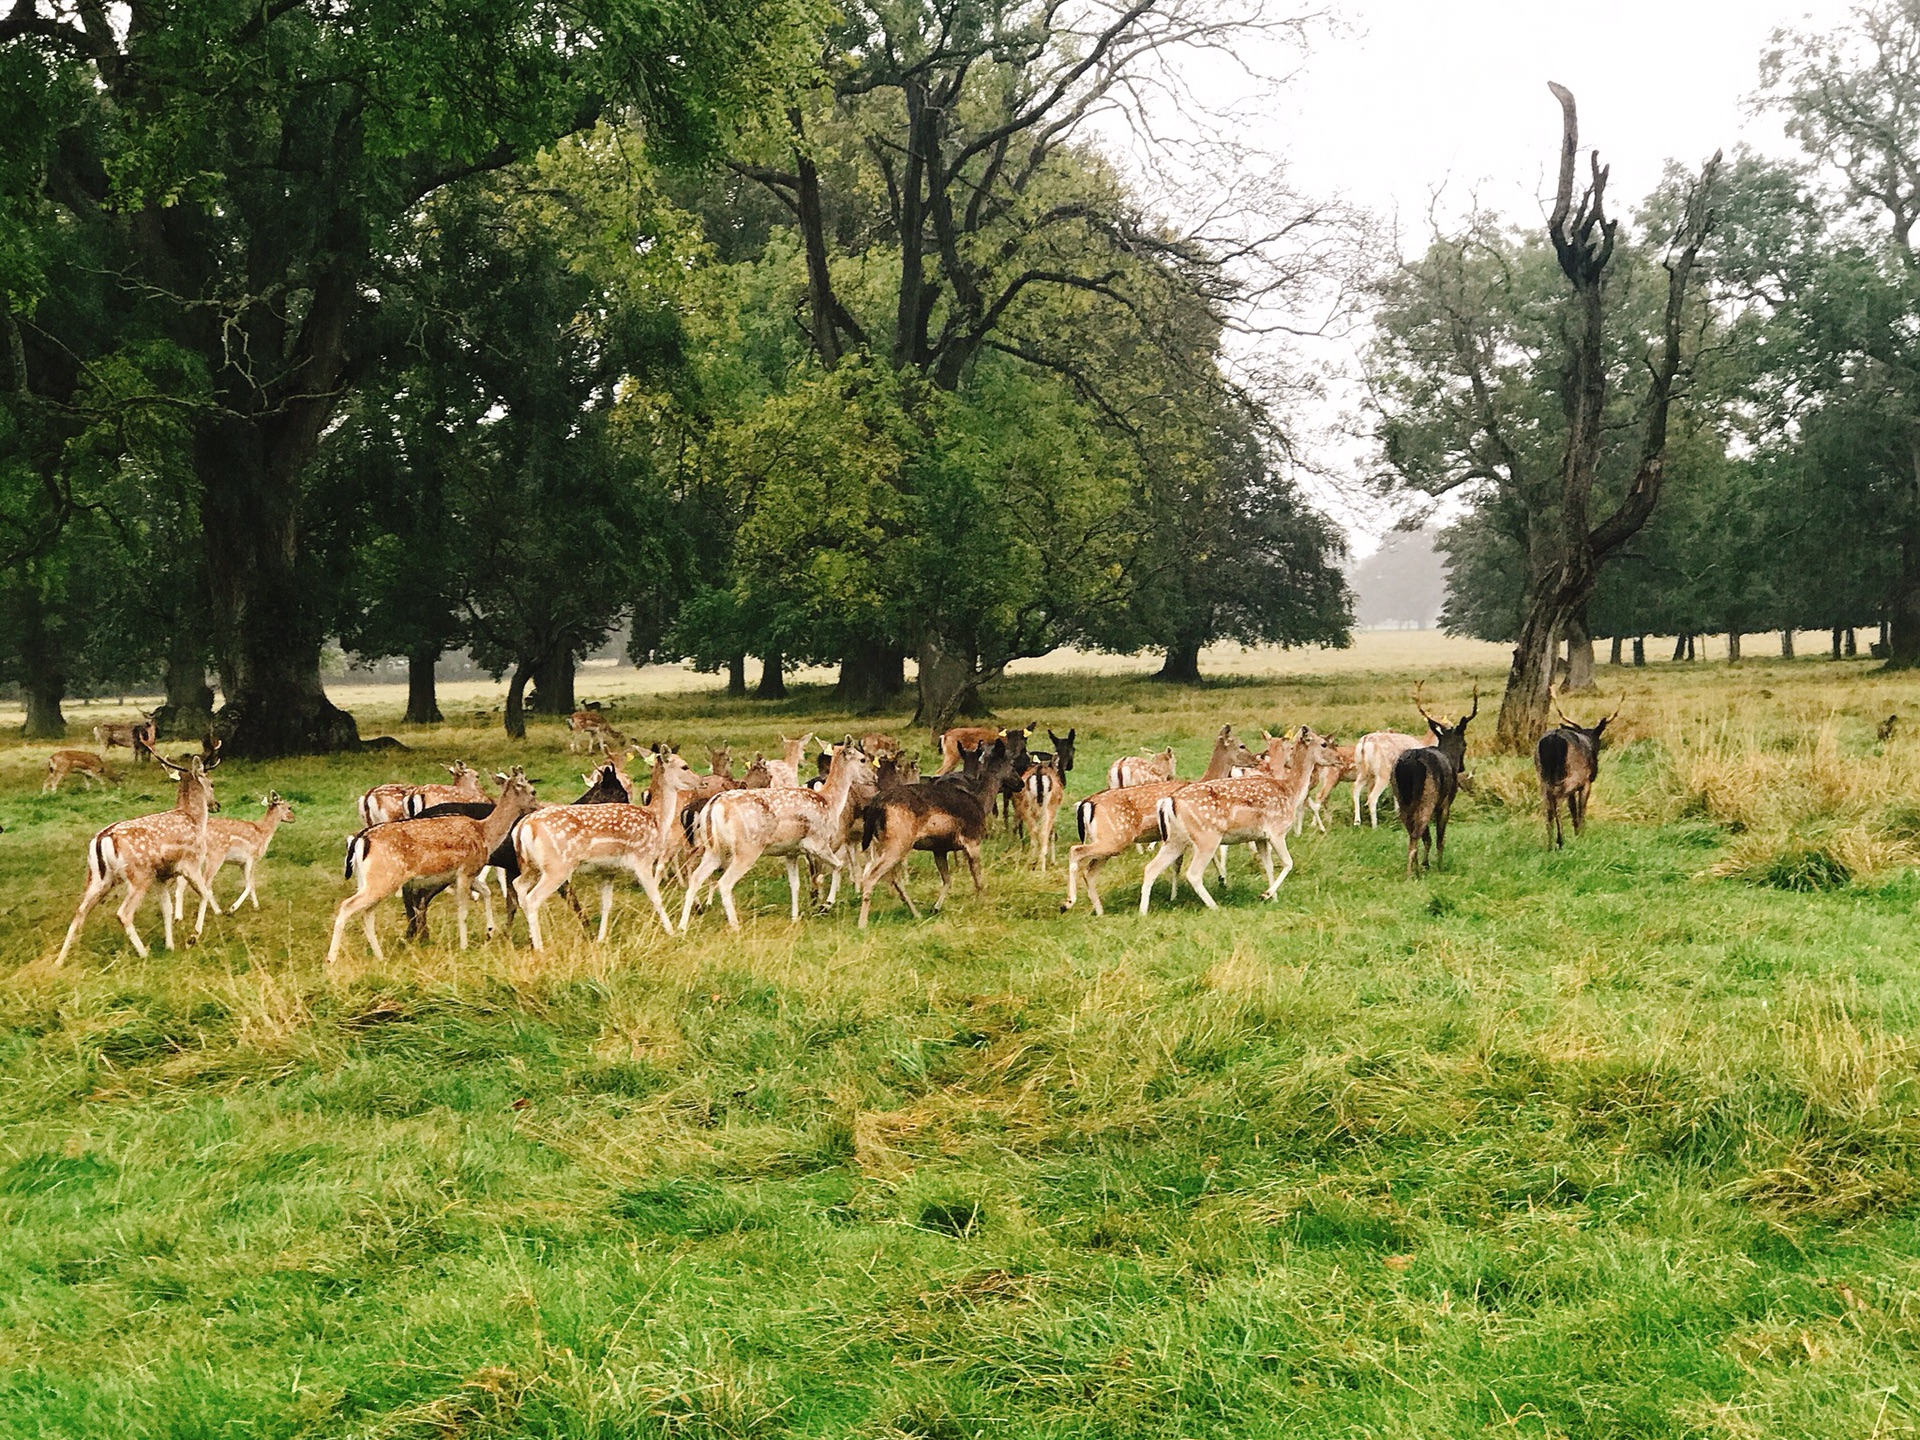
[553, 684]
[1786, 644]
[423, 701]
[187, 713]
[773, 680]
[1690, 647]
[271, 631]
[516, 715]
[1853, 643]
[1836, 642]
[1679, 648]
[1182, 664]
[1617, 657]
[1579, 652]
[1639, 650]
[947, 684]
[1733, 647]
[737, 678]
[872, 678]
[1523, 709]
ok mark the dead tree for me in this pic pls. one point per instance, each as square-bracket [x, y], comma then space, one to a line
[1584, 240]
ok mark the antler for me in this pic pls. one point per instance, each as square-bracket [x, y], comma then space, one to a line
[165, 764]
[1476, 705]
[1554, 700]
[1616, 711]
[1422, 708]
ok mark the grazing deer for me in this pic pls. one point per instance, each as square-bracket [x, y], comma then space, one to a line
[152, 848]
[1131, 770]
[1567, 760]
[592, 727]
[1257, 809]
[134, 735]
[786, 770]
[457, 847]
[1885, 732]
[1042, 791]
[384, 804]
[978, 737]
[84, 763]
[235, 842]
[940, 815]
[1124, 815]
[553, 843]
[738, 828]
[1425, 781]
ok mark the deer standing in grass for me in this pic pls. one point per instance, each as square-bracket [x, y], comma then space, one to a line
[1254, 809]
[1043, 789]
[1131, 770]
[454, 847]
[84, 763]
[1342, 766]
[235, 842]
[1567, 760]
[384, 804]
[1426, 779]
[786, 770]
[595, 729]
[941, 815]
[555, 842]
[134, 735]
[1374, 756]
[152, 848]
[1124, 815]
[979, 737]
[738, 828]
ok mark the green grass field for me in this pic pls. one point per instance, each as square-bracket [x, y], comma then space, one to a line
[1614, 1142]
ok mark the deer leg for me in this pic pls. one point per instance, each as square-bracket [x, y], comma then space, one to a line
[649, 877]
[199, 883]
[1577, 803]
[793, 887]
[128, 909]
[1373, 801]
[709, 864]
[1205, 849]
[942, 862]
[462, 898]
[972, 853]
[535, 894]
[1440, 837]
[96, 890]
[1278, 841]
[729, 878]
[1163, 859]
[1074, 853]
[606, 908]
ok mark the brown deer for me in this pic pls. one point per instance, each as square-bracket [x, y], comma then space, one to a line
[384, 804]
[720, 761]
[152, 848]
[84, 763]
[134, 735]
[981, 738]
[879, 747]
[554, 842]
[385, 857]
[1131, 770]
[940, 815]
[1341, 766]
[1257, 809]
[1037, 805]
[738, 828]
[786, 770]
[1567, 760]
[594, 728]
[1426, 779]
[1124, 815]
[235, 842]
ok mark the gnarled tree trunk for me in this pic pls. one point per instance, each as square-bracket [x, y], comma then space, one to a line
[553, 692]
[872, 677]
[1786, 644]
[187, 713]
[737, 678]
[516, 713]
[1579, 652]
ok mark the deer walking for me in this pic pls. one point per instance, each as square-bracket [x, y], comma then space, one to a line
[152, 848]
[786, 770]
[1426, 779]
[941, 815]
[1124, 815]
[134, 735]
[384, 804]
[1256, 809]
[1567, 760]
[235, 842]
[553, 843]
[385, 857]
[1131, 770]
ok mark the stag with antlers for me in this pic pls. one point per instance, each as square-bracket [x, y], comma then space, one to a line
[1426, 780]
[1567, 760]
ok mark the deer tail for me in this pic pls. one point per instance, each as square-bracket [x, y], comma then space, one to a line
[1552, 754]
[99, 857]
[1083, 818]
[1163, 814]
[356, 855]
[1409, 779]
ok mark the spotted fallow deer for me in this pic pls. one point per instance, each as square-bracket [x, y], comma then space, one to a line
[134, 735]
[1256, 809]
[738, 828]
[385, 857]
[1131, 770]
[980, 737]
[1567, 760]
[152, 848]
[1125, 815]
[1424, 784]
[595, 730]
[235, 842]
[384, 804]
[785, 772]
[84, 763]
[553, 843]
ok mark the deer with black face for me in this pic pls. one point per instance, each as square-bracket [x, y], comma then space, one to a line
[1426, 780]
[1567, 760]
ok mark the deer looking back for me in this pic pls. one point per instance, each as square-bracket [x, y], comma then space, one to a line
[1426, 780]
[1567, 760]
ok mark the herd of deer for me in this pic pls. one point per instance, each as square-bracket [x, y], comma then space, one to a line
[867, 810]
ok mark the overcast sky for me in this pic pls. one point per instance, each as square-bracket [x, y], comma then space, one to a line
[1406, 97]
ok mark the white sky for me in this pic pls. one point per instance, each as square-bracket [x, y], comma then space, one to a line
[1406, 98]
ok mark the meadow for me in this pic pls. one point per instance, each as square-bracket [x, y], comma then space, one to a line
[1615, 1141]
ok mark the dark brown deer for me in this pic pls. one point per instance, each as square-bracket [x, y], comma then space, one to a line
[1567, 760]
[941, 815]
[1424, 784]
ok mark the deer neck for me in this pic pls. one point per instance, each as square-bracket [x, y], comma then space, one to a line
[1297, 778]
[664, 802]
[838, 787]
[1220, 763]
[507, 809]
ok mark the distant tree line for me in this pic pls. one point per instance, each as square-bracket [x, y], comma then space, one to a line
[762, 332]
